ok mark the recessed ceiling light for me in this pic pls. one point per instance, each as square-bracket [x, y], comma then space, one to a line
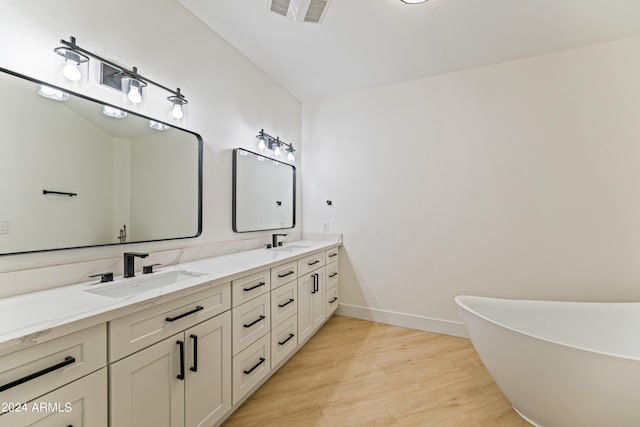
[413, 1]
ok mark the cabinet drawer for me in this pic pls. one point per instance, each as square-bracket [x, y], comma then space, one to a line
[310, 263]
[83, 403]
[284, 340]
[251, 366]
[332, 299]
[247, 288]
[284, 303]
[332, 255]
[143, 328]
[52, 364]
[250, 321]
[332, 274]
[284, 274]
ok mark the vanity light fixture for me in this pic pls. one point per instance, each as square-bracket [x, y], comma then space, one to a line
[130, 82]
[276, 145]
[110, 111]
[52, 93]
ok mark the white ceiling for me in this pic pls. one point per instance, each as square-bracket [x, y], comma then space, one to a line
[368, 43]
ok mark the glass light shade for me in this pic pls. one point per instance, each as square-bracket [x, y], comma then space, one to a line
[290, 156]
[178, 109]
[132, 91]
[52, 93]
[72, 69]
[276, 150]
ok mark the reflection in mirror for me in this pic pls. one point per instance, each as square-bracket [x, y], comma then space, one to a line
[122, 181]
[263, 193]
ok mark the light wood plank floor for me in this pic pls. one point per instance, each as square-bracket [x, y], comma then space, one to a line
[359, 373]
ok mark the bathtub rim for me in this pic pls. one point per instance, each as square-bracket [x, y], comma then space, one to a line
[459, 299]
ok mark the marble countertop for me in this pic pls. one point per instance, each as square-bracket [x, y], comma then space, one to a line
[31, 318]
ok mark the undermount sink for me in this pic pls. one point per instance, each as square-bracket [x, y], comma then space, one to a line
[290, 248]
[133, 286]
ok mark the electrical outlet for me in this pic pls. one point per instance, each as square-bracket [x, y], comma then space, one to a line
[325, 226]
[4, 227]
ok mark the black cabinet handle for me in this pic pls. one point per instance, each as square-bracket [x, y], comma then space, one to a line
[333, 254]
[194, 368]
[254, 287]
[332, 275]
[286, 303]
[289, 273]
[317, 283]
[67, 361]
[181, 374]
[180, 316]
[313, 262]
[287, 340]
[262, 317]
[313, 283]
[334, 299]
[262, 360]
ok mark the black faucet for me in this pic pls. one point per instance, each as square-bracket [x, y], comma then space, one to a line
[129, 262]
[274, 239]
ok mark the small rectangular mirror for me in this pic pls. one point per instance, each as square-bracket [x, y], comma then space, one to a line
[264, 193]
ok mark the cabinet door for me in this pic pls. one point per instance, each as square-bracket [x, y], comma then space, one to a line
[306, 292]
[83, 403]
[208, 367]
[319, 304]
[145, 390]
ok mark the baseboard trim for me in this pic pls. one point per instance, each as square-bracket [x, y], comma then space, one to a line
[422, 323]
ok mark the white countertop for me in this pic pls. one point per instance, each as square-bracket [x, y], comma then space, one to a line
[30, 318]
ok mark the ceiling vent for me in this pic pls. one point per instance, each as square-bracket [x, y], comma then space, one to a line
[300, 10]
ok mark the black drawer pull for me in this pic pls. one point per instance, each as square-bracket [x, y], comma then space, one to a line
[334, 299]
[180, 316]
[313, 283]
[181, 374]
[333, 254]
[194, 368]
[289, 273]
[332, 275]
[287, 340]
[262, 360]
[313, 262]
[67, 361]
[286, 303]
[262, 317]
[254, 287]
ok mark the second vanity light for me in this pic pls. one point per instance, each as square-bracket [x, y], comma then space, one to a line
[75, 70]
[276, 145]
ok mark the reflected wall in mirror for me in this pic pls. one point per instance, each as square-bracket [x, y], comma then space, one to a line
[131, 182]
[264, 193]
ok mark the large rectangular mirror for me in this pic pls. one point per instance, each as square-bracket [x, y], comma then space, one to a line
[264, 193]
[72, 176]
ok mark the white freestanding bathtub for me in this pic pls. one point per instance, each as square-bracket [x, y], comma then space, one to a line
[561, 364]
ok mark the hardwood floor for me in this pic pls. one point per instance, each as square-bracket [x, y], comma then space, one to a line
[359, 373]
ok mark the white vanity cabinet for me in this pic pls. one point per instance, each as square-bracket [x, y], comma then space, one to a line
[184, 380]
[311, 301]
[83, 403]
[332, 271]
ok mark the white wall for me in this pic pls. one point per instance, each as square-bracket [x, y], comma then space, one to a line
[230, 98]
[517, 180]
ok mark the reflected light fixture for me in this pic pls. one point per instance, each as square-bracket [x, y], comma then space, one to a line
[130, 82]
[413, 1]
[276, 145]
[52, 93]
[158, 125]
[110, 111]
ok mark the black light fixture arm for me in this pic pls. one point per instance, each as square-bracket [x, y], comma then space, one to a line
[133, 72]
